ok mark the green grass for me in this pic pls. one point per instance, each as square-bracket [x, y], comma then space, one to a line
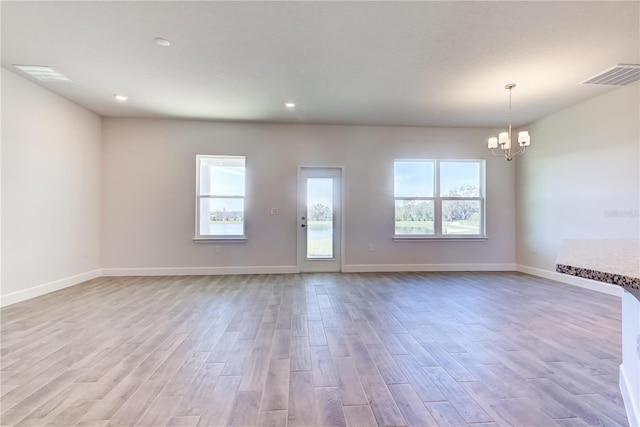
[414, 227]
[327, 223]
[461, 227]
[426, 227]
[415, 224]
[319, 248]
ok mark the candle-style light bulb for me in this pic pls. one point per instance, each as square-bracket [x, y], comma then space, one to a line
[524, 139]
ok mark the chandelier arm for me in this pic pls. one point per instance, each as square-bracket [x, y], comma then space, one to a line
[505, 153]
[520, 152]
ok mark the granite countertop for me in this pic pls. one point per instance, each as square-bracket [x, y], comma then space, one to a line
[615, 261]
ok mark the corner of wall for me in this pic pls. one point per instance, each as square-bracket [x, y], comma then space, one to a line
[582, 163]
[55, 285]
[592, 285]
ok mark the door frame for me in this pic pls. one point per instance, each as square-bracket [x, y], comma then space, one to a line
[299, 254]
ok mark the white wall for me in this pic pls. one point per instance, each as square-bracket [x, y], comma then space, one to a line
[149, 195]
[582, 166]
[50, 191]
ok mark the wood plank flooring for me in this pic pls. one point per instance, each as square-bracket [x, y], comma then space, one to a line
[421, 349]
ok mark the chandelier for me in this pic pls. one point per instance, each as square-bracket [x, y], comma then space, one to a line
[503, 140]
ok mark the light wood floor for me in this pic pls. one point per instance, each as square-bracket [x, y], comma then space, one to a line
[416, 349]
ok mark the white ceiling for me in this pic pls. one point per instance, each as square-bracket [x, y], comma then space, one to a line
[387, 63]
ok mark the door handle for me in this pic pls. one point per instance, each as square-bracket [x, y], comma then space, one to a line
[303, 225]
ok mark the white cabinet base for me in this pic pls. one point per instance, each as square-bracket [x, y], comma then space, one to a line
[630, 368]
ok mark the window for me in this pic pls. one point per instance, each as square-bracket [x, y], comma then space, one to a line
[439, 198]
[220, 197]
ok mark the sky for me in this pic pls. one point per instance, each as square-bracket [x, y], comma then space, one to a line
[320, 190]
[416, 178]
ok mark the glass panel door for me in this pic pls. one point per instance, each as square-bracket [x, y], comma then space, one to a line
[319, 214]
[319, 218]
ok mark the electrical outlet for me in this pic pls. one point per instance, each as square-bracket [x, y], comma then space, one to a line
[217, 249]
[274, 211]
[370, 247]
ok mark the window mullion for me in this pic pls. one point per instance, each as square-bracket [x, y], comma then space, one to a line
[437, 208]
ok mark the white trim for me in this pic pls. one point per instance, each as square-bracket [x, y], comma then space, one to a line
[55, 285]
[204, 237]
[426, 238]
[200, 271]
[605, 288]
[633, 412]
[382, 268]
[339, 232]
[212, 239]
[49, 287]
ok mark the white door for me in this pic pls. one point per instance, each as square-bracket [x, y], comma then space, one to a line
[319, 219]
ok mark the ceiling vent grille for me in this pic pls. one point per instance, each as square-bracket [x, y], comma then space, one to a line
[42, 73]
[620, 75]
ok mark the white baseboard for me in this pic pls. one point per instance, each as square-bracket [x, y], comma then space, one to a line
[606, 288]
[35, 291]
[633, 412]
[392, 268]
[200, 271]
[46, 288]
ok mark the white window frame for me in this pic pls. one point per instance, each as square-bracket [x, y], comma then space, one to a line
[438, 199]
[226, 237]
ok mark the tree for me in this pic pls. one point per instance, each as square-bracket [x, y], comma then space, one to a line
[414, 210]
[408, 206]
[463, 191]
[460, 210]
[320, 212]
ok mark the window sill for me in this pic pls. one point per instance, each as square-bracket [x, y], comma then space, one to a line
[439, 238]
[240, 239]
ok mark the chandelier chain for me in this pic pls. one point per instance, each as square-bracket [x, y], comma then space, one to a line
[510, 89]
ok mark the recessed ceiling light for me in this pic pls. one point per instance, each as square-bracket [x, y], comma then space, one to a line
[289, 105]
[121, 98]
[162, 42]
[43, 73]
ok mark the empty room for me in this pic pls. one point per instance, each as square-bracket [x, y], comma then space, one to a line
[320, 213]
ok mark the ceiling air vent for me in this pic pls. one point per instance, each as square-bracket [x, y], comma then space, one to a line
[620, 75]
[43, 73]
